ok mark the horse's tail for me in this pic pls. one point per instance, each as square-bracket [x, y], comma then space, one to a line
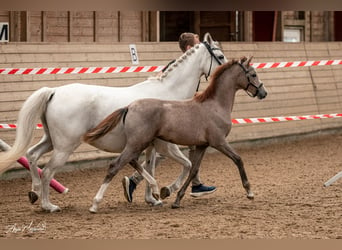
[104, 127]
[32, 109]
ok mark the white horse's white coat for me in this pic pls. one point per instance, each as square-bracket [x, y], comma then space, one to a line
[69, 111]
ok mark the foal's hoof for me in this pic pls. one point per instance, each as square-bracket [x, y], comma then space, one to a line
[165, 192]
[33, 197]
[175, 205]
[250, 196]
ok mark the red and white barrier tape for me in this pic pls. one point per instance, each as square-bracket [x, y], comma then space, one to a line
[284, 118]
[78, 70]
[239, 120]
[134, 69]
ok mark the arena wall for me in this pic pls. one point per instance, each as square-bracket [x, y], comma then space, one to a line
[291, 91]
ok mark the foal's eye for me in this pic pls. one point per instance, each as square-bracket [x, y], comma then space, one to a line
[253, 75]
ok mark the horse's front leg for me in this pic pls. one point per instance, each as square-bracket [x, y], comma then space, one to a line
[226, 149]
[150, 165]
[196, 156]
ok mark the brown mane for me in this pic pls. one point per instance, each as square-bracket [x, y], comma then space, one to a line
[211, 89]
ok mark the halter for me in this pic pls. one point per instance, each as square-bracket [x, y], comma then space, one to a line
[257, 88]
[211, 52]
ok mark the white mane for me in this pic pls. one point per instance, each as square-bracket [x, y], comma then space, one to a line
[174, 65]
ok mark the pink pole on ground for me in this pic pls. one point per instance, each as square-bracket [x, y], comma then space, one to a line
[24, 162]
[53, 183]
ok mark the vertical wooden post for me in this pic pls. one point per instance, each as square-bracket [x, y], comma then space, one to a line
[144, 26]
[95, 25]
[119, 26]
[24, 26]
[70, 17]
[43, 26]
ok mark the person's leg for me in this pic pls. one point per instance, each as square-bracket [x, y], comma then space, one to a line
[129, 185]
[198, 189]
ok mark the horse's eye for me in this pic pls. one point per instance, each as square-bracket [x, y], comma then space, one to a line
[221, 57]
[253, 75]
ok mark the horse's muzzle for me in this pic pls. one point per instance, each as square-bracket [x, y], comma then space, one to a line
[262, 93]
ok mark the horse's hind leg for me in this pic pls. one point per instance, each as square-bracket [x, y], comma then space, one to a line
[196, 157]
[33, 155]
[58, 159]
[173, 152]
[150, 165]
[229, 151]
[150, 180]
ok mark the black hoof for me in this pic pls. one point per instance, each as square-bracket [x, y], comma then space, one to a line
[175, 205]
[33, 197]
[164, 192]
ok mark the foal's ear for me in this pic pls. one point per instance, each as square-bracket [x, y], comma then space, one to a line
[249, 60]
[207, 38]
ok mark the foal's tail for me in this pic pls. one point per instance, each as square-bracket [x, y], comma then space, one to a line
[104, 127]
[32, 109]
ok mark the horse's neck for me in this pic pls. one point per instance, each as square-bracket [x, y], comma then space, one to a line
[185, 74]
[225, 94]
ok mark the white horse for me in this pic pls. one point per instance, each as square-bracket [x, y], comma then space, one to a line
[69, 111]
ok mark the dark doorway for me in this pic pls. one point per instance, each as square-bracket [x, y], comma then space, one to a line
[173, 23]
[338, 25]
[263, 22]
[220, 24]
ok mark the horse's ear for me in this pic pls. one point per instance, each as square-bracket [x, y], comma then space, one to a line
[207, 38]
[249, 60]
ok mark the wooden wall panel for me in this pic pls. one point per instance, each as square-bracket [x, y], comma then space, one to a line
[292, 91]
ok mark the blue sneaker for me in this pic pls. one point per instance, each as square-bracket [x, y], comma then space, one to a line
[129, 187]
[200, 190]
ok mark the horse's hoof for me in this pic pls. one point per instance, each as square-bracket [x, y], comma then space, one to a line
[175, 205]
[165, 192]
[93, 210]
[158, 203]
[33, 197]
[51, 208]
[250, 196]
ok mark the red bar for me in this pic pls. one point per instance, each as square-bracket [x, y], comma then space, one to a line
[301, 64]
[69, 70]
[96, 70]
[274, 65]
[261, 65]
[27, 71]
[83, 70]
[153, 68]
[138, 69]
[55, 70]
[41, 71]
[13, 71]
[111, 69]
[124, 69]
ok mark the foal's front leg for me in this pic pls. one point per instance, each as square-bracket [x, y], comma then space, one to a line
[196, 157]
[226, 149]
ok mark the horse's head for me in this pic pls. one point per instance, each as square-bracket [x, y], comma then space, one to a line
[216, 55]
[253, 86]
